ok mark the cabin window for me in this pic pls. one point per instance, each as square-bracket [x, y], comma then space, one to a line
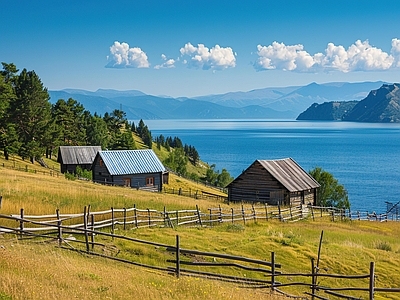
[127, 182]
[149, 181]
[100, 162]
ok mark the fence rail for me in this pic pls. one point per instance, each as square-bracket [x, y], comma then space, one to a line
[257, 273]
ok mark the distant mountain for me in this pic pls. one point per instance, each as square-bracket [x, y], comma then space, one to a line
[381, 105]
[303, 97]
[333, 110]
[268, 103]
[153, 107]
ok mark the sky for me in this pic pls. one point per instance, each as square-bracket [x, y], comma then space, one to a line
[184, 48]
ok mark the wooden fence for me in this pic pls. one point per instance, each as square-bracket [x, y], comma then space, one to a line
[137, 218]
[257, 273]
[18, 167]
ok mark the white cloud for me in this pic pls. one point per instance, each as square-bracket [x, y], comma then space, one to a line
[122, 56]
[396, 52]
[200, 57]
[360, 56]
[167, 64]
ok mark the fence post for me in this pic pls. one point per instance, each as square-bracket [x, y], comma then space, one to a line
[178, 263]
[279, 211]
[177, 218]
[165, 216]
[198, 215]
[59, 229]
[1, 199]
[371, 280]
[92, 227]
[243, 215]
[273, 271]
[220, 214]
[312, 213]
[124, 218]
[210, 217]
[149, 216]
[254, 213]
[312, 279]
[333, 215]
[232, 214]
[135, 215]
[85, 228]
[112, 222]
[21, 223]
[266, 210]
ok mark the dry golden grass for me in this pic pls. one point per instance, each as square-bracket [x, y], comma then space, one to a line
[42, 271]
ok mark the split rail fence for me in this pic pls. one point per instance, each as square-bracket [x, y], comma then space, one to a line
[86, 236]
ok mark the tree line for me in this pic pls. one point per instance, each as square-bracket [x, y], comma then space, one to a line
[30, 126]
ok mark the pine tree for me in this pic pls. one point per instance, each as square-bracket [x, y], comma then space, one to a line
[8, 135]
[31, 114]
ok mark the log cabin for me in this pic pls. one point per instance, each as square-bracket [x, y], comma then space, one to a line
[275, 182]
[140, 169]
[71, 157]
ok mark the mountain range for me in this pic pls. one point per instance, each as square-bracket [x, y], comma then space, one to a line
[380, 106]
[268, 103]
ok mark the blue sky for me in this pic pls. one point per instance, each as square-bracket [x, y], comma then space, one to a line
[192, 48]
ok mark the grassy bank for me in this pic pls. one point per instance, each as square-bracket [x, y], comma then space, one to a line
[36, 270]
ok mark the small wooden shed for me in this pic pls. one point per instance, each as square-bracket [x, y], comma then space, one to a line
[275, 182]
[70, 157]
[139, 169]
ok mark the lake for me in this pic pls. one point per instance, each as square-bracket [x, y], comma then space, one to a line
[364, 157]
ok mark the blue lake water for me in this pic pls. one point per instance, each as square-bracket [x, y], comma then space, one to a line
[364, 157]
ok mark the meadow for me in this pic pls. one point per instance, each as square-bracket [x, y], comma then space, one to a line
[37, 269]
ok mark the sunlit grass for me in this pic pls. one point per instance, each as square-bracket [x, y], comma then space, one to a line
[43, 271]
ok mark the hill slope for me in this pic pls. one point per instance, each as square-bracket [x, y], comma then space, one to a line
[381, 106]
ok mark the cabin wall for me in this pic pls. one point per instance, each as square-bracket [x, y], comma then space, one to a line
[146, 181]
[257, 185]
[100, 173]
[140, 181]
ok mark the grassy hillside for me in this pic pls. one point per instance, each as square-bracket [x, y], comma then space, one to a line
[31, 269]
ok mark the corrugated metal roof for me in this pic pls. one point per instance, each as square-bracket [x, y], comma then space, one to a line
[123, 162]
[290, 174]
[78, 155]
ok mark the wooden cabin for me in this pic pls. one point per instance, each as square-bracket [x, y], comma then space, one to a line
[275, 182]
[139, 169]
[71, 157]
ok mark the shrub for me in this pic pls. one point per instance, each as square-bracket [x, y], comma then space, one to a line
[383, 246]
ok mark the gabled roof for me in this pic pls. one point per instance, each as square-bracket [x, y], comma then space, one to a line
[290, 174]
[124, 162]
[77, 155]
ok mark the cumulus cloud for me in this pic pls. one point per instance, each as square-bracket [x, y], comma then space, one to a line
[167, 64]
[395, 52]
[360, 56]
[201, 57]
[122, 56]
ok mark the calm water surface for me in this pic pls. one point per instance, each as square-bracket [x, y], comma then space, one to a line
[364, 157]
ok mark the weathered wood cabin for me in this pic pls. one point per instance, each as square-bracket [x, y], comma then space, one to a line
[70, 157]
[139, 169]
[275, 182]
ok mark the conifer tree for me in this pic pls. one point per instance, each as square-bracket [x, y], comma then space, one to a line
[30, 112]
